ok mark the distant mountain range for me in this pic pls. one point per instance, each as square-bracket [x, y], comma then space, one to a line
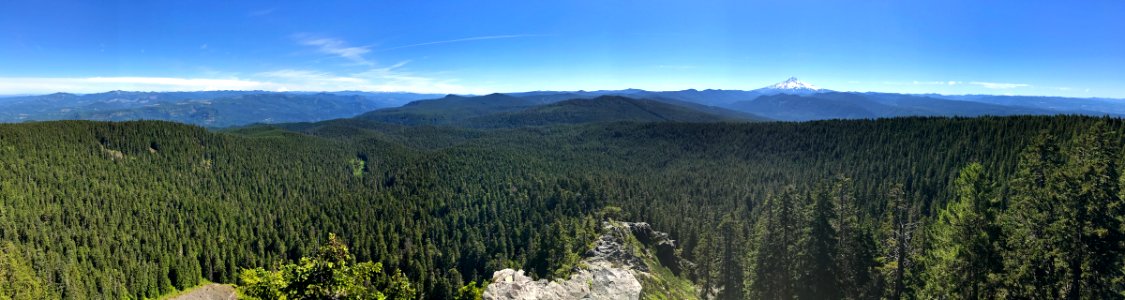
[211, 109]
[790, 100]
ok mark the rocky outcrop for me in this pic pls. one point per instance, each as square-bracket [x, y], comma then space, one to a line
[665, 247]
[612, 269]
[593, 283]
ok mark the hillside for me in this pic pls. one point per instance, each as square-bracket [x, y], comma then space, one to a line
[447, 110]
[834, 105]
[607, 109]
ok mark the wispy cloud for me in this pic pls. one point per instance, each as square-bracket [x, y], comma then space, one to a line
[311, 78]
[468, 39]
[374, 78]
[386, 79]
[261, 12]
[950, 82]
[371, 78]
[382, 79]
[989, 85]
[337, 47]
[998, 85]
[33, 85]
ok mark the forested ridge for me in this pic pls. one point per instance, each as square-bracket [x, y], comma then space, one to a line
[991, 207]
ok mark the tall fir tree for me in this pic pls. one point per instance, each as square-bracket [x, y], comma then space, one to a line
[816, 261]
[774, 271]
[1092, 226]
[1064, 225]
[1029, 261]
[855, 249]
[899, 225]
[963, 259]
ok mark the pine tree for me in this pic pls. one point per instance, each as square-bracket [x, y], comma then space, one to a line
[731, 235]
[855, 249]
[774, 270]
[1029, 262]
[1064, 225]
[17, 277]
[963, 258]
[817, 265]
[899, 225]
[1094, 253]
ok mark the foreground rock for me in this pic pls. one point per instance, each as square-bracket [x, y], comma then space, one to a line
[212, 291]
[595, 283]
[610, 270]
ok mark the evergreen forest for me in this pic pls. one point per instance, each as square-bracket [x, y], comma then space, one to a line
[1021, 207]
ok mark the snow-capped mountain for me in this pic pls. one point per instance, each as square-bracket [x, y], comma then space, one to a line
[791, 86]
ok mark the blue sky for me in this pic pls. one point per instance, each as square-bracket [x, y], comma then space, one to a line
[1067, 48]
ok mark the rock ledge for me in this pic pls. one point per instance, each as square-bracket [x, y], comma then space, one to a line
[611, 269]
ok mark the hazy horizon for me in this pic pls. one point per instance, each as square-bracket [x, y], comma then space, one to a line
[1052, 48]
[511, 92]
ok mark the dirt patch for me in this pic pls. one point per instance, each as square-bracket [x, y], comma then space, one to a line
[212, 291]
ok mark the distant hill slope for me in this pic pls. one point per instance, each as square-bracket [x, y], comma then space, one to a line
[836, 105]
[790, 100]
[243, 109]
[608, 109]
[795, 100]
[1085, 106]
[212, 109]
[448, 110]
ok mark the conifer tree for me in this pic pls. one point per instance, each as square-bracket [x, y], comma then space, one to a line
[855, 249]
[1064, 225]
[899, 226]
[817, 265]
[774, 269]
[1092, 226]
[1029, 262]
[964, 259]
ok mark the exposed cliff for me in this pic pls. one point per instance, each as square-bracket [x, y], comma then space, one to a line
[629, 261]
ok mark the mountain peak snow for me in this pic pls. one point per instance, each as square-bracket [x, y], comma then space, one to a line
[793, 84]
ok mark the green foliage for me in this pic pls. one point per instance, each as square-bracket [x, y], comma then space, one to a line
[816, 260]
[812, 246]
[17, 278]
[606, 109]
[330, 274]
[900, 248]
[963, 261]
[1064, 227]
[470, 291]
[556, 252]
[358, 166]
[610, 213]
[260, 283]
[774, 272]
[855, 249]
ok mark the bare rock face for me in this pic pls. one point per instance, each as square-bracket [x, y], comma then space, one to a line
[610, 272]
[665, 246]
[593, 283]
